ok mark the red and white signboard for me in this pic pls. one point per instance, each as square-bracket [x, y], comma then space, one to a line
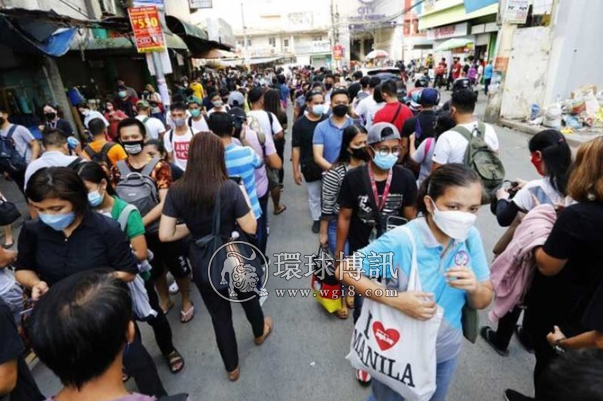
[147, 29]
[338, 52]
[449, 31]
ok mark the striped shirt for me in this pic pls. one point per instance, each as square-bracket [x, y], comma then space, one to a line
[331, 183]
[241, 161]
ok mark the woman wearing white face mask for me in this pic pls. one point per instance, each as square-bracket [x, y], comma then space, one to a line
[218, 103]
[453, 269]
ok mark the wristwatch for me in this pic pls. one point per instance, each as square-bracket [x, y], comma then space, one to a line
[558, 347]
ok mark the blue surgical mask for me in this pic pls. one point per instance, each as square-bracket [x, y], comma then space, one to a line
[122, 94]
[318, 110]
[385, 162]
[95, 198]
[57, 222]
[195, 112]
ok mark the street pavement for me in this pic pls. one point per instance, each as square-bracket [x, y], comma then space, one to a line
[304, 359]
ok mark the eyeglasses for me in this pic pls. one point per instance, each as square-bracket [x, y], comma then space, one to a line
[384, 150]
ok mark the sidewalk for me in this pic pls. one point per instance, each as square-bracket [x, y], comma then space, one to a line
[575, 139]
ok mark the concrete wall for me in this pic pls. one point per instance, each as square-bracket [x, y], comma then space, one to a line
[577, 53]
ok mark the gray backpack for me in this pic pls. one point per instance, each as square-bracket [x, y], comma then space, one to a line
[139, 189]
[483, 160]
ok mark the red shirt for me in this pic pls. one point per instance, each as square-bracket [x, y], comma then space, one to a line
[387, 113]
[456, 70]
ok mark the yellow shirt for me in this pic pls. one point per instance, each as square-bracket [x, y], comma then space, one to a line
[115, 154]
[198, 90]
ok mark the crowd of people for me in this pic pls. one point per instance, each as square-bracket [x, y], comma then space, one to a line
[156, 189]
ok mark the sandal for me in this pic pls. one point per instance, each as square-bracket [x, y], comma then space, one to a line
[175, 361]
[343, 314]
[364, 378]
[124, 376]
[349, 302]
[280, 210]
[8, 246]
[168, 309]
[234, 375]
[268, 326]
[187, 316]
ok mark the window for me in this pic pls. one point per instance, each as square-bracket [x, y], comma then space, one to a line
[286, 42]
[272, 41]
[241, 43]
[248, 42]
[317, 38]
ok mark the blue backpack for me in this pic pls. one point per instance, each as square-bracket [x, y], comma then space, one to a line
[10, 159]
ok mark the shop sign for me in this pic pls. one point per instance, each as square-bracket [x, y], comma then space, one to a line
[501, 64]
[366, 13]
[147, 29]
[338, 52]
[196, 4]
[449, 31]
[516, 11]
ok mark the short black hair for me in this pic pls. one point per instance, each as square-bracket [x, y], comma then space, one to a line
[53, 138]
[158, 144]
[96, 126]
[129, 122]
[179, 106]
[213, 94]
[575, 375]
[220, 124]
[4, 109]
[339, 91]
[79, 326]
[364, 82]
[464, 100]
[374, 82]
[82, 105]
[377, 97]
[95, 173]
[357, 75]
[58, 183]
[255, 95]
[389, 87]
[330, 75]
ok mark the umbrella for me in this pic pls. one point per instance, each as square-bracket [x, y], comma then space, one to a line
[377, 54]
[452, 44]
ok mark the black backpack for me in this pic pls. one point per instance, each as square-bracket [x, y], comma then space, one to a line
[11, 160]
[102, 156]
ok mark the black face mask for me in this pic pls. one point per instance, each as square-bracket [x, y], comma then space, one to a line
[50, 116]
[340, 110]
[360, 154]
[328, 86]
[2, 120]
[133, 147]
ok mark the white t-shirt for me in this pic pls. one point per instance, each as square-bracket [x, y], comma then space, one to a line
[424, 156]
[451, 146]
[198, 126]
[264, 121]
[92, 114]
[178, 146]
[364, 107]
[543, 191]
[168, 119]
[224, 109]
[371, 114]
[22, 139]
[154, 126]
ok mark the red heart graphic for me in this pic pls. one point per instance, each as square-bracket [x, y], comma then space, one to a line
[385, 338]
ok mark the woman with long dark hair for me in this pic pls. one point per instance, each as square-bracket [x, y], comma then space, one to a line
[272, 104]
[193, 199]
[353, 154]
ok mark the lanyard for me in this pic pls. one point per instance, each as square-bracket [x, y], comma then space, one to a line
[388, 183]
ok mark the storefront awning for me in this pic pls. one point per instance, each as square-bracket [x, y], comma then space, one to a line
[452, 44]
[40, 37]
[123, 42]
[263, 60]
[196, 38]
[218, 53]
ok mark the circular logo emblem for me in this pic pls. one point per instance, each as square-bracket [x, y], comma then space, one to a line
[239, 273]
[461, 258]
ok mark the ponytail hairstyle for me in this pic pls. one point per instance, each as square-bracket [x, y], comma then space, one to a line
[95, 173]
[557, 157]
[449, 175]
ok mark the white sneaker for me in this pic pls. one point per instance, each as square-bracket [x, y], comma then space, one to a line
[174, 288]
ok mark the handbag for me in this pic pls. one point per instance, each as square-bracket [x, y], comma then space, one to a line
[394, 348]
[325, 287]
[8, 212]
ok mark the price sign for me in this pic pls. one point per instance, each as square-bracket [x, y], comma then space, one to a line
[147, 29]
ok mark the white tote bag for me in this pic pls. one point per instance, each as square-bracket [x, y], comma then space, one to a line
[396, 349]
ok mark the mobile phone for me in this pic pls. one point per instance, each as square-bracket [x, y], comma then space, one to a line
[236, 179]
[394, 221]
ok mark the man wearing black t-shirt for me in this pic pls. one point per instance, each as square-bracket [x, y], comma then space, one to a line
[423, 124]
[15, 378]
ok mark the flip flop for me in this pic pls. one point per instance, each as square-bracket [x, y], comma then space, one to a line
[343, 314]
[166, 311]
[281, 210]
[349, 302]
[8, 246]
[268, 327]
[173, 359]
[187, 316]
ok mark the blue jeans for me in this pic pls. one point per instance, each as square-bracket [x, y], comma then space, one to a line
[443, 378]
[332, 233]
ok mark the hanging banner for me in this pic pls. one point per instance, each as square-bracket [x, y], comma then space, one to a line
[516, 11]
[147, 29]
[338, 52]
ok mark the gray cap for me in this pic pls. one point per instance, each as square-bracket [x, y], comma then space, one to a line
[382, 132]
[236, 98]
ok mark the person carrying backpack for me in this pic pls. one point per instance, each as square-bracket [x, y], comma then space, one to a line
[99, 150]
[144, 183]
[18, 148]
[470, 142]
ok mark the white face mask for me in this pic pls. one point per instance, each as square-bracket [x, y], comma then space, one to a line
[453, 223]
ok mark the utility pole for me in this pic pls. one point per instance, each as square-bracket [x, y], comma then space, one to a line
[332, 34]
[245, 54]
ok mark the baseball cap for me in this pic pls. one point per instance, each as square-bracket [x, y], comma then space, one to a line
[236, 98]
[382, 132]
[255, 94]
[429, 97]
[194, 99]
[143, 104]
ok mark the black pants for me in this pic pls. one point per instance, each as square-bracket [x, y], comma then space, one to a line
[19, 179]
[167, 256]
[262, 229]
[506, 328]
[487, 84]
[280, 151]
[221, 316]
[139, 364]
[161, 326]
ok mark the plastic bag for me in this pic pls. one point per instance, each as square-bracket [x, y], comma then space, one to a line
[552, 116]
